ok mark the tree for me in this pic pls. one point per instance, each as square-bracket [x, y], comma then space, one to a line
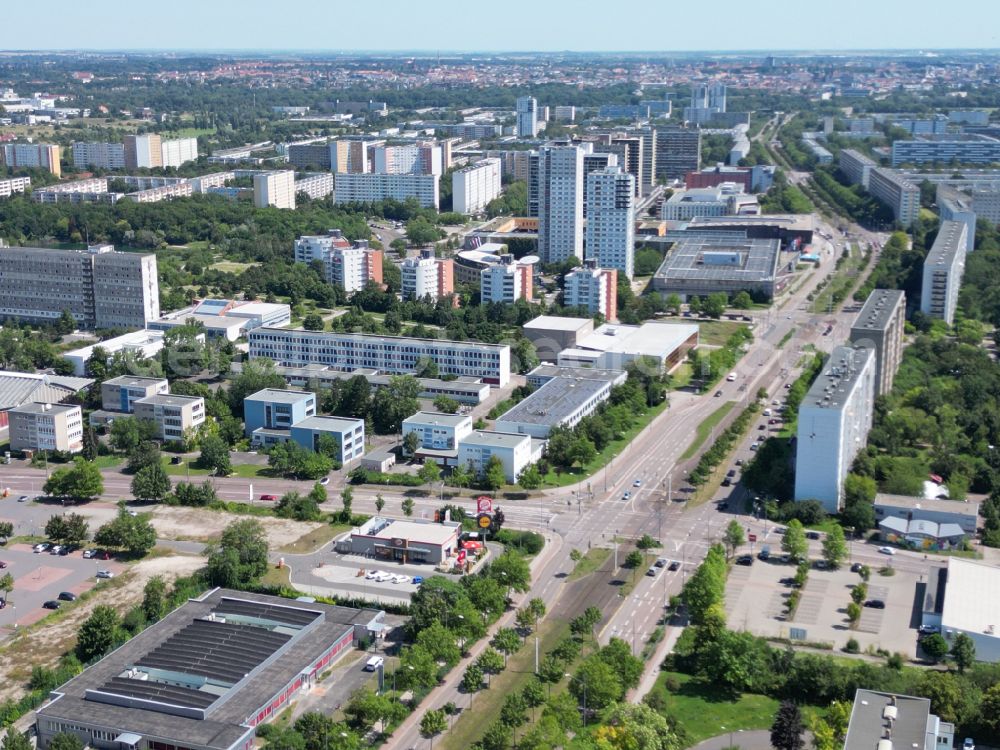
[127, 433]
[627, 726]
[794, 541]
[853, 613]
[407, 507]
[154, 599]
[440, 643]
[67, 528]
[81, 481]
[411, 442]
[511, 570]
[433, 723]
[6, 584]
[596, 685]
[430, 472]
[633, 559]
[195, 495]
[834, 547]
[65, 741]
[394, 402]
[734, 536]
[963, 652]
[379, 503]
[531, 478]
[313, 322]
[472, 679]
[417, 667]
[935, 646]
[989, 709]
[298, 507]
[98, 634]
[943, 691]
[134, 534]
[215, 455]
[494, 475]
[491, 662]
[241, 556]
[151, 483]
[446, 404]
[147, 453]
[742, 300]
[618, 655]
[6, 529]
[14, 740]
[786, 731]
[507, 642]
[346, 501]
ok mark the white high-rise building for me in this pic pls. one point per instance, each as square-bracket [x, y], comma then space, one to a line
[505, 282]
[611, 219]
[475, 186]
[417, 158]
[177, 152]
[944, 267]
[99, 155]
[527, 117]
[371, 188]
[559, 195]
[274, 189]
[834, 420]
[348, 266]
[427, 276]
[594, 289]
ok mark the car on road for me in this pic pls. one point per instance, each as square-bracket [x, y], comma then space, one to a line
[42, 547]
[787, 386]
[660, 562]
[52, 604]
[739, 461]
[417, 580]
[722, 506]
[718, 393]
[269, 498]
[774, 421]
[744, 560]
[105, 574]
[325, 480]
[727, 482]
[775, 402]
[887, 550]
[627, 495]
[731, 377]
[23, 499]
[651, 571]
[928, 629]
[3, 603]
[89, 553]
[674, 565]
[637, 483]
[2, 565]
[753, 446]
[67, 596]
[762, 427]
[731, 473]
[400, 578]
[766, 413]
[875, 604]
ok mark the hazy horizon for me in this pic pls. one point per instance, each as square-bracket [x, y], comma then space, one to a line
[518, 27]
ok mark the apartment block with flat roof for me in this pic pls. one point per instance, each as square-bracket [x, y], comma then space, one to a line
[610, 232]
[13, 185]
[506, 282]
[879, 326]
[143, 151]
[101, 288]
[277, 409]
[559, 192]
[969, 150]
[274, 189]
[944, 267]
[32, 155]
[898, 193]
[856, 166]
[173, 415]
[594, 289]
[834, 420]
[527, 117]
[678, 151]
[121, 393]
[46, 427]
[346, 265]
[372, 188]
[99, 155]
[389, 354]
[427, 276]
[475, 186]
[349, 434]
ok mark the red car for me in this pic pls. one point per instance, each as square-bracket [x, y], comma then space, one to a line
[269, 498]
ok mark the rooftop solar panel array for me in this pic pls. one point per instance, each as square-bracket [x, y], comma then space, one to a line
[288, 615]
[158, 691]
[217, 650]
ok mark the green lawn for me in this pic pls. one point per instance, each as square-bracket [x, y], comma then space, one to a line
[612, 449]
[715, 332]
[841, 282]
[590, 562]
[702, 713]
[188, 468]
[108, 462]
[315, 539]
[706, 427]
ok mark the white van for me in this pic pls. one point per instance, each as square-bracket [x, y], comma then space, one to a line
[374, 663]
[731, 377]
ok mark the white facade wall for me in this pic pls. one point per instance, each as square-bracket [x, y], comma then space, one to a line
[475, 186]
[560, 203]
[479, 447]
[99, 155]
[500, 283]
[371, 188]
[180, 151]
[944, 267]
[829, 437]
[527, 117]
[611, 219]
[420, 278]
[14, 185]
[437, 431]
[315, 185]
[274, 189]
[588, 288]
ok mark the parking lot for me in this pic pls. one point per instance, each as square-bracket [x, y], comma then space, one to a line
[41, 577]
[756, 596]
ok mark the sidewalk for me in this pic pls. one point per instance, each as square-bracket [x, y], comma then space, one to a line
[754, 739]
[652, 668]
[407, 734]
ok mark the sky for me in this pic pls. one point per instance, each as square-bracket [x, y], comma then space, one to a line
[504, 25]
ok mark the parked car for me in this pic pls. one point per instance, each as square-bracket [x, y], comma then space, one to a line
[374, 663]
[731, 377]
[727, 482]
[812, 535]
[722, 506]
[774, 421]
[856, 568]
[56, 549]
[753, 446]
[674, 565]
[42, 547]
[3, 603]
[23, 499]
[744, 560]
[105, 574]
[661, 562]
[325, 480]
[766, 413]
[731, 473]
[89, 553]
[400, 578]
[637, 483]
[718, 393]
[875, 604]
[52, 604]
[739, 461]
[651, 572]
[928, 629]
[2, 565]
[887, 550]
[627, 495]
[67, 596]
[969, 744]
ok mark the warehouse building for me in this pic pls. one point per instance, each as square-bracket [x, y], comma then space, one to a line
[883, 721]
[954, 601]
[206, 675]
[701, 265]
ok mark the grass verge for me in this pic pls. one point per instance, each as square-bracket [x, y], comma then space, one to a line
[705, 429]
[590, 563]
[314, 539]
[279, 577]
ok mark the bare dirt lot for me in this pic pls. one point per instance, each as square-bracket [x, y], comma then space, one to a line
[196, 525]
[43, 643]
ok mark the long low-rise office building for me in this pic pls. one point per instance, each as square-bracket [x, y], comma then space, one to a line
[949, 150]
[702, 264]
[138, 345]
[205, 675]
[464, 389]
[389, 354]
[561, 402]
[14, 185]
[374, 187]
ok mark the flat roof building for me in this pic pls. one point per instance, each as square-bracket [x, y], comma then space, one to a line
[725, 199]
[513, 451]
[276, 188]
[593, 289]
[954, 205]
[473, 187]
[206, 674]
[46, 427]
[349, 434]
[372, 187]
[174, 416]
[883, 721]
[406, 541]
[970, 608]
[947, 150]
[139, 344]
[964, 514]
[614, 347]
[121, 393]
[561, 402]
[277, 409]
[944, 267]
[550, 334]
[880, 326]
[437, 431]
[834, 419]
[856, 166]
[389, 354]
[895, 191]
[703, 264]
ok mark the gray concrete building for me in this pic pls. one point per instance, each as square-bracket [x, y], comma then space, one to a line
[678, 151]
[101, 288]
[883, 721]
[943, 270]
[879, 326]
